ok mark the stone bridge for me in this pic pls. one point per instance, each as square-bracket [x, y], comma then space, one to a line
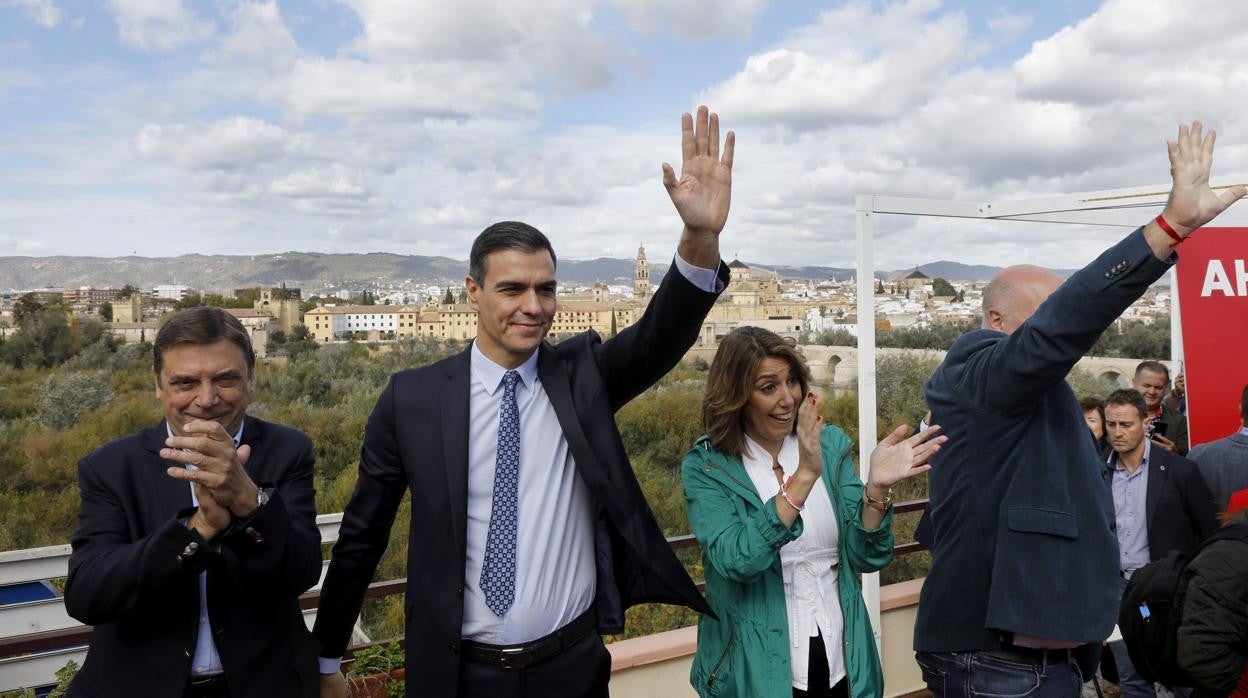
[837, 367]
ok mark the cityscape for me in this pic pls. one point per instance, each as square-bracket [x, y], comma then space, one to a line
[800, 308]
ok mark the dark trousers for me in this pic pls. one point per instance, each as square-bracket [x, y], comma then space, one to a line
[581, 670]
[817, 675]
[965, 674]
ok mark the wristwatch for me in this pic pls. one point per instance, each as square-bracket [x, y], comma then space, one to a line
[263, 495]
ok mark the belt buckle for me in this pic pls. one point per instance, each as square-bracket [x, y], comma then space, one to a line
[510, 658]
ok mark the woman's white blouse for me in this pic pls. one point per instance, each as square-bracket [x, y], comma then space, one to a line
[810, 565]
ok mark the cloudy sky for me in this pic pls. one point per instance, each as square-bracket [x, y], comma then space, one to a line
[163, 127]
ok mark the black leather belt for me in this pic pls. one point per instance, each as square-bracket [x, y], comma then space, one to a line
[526, 654]
[209, 687]
[1029, 655]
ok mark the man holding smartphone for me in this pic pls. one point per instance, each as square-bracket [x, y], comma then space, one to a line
[1167, 427]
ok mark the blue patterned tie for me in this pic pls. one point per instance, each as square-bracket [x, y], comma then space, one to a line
[498, 573]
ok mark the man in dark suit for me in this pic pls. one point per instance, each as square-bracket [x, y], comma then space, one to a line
[196, 536]
[1224, 463]
[1024, 564]
[1161, 504]
[1166, 425]
[528, 528]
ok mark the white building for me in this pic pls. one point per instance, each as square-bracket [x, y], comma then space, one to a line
[173, 292]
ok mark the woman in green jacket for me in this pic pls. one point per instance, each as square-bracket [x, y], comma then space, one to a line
[790, 624]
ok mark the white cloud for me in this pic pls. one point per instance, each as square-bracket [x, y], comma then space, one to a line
[351, 88]
[693, 19]
[257, 32]
[235, 144]
[45, 13]
[158, 25]
[851, 66]
[1126, 51]
[515, 39]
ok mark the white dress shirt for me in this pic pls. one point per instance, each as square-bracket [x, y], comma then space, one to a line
[205, 661]
[811, 590]
[556, 574]
[556, 578]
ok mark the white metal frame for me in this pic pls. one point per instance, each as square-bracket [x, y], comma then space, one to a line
[1106, 208]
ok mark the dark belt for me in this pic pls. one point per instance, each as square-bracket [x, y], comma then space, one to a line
[1029, 655]
[526, 654]
[209, 687]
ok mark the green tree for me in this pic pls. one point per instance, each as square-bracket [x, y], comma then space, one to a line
[190, 299]
[940, 287]
[65, 398]
[106, 311]
[44, 340]
[449, 298]
[25, 306]
[836, 337]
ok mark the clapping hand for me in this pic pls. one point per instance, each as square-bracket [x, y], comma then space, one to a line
[809, 430]
[897, 458]
[219, 466]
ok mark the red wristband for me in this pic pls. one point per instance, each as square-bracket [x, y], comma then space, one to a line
[1165, 225]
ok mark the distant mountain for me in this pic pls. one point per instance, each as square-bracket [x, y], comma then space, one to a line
[315, 272]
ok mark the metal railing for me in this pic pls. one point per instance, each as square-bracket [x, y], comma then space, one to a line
[50, 630]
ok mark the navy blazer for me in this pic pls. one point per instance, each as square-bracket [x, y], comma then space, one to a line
[417, 441]
[1022, 521]
[1179, 510]
[131, 577]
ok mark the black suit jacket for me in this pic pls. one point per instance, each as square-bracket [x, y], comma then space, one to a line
[417, 439]
[1178, 505]
[131, 577]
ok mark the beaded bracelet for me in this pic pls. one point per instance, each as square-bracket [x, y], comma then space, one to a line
[784, 492]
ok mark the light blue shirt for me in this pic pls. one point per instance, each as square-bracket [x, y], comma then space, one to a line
[1130, 512]
[205, 661]
[556, 575]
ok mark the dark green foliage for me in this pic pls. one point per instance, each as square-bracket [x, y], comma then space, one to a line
[836, 338]
[1135, 339]
[941, 287]
[43, 339]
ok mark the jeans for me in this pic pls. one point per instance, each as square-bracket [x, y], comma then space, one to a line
[967, 674]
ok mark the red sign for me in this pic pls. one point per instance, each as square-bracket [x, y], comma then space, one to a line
[1213, 305]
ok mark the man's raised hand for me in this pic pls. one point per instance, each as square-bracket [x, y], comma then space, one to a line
[1192, 202]
[704, 191]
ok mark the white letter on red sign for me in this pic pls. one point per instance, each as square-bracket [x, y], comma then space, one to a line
[1216, 280]
[1241, 277]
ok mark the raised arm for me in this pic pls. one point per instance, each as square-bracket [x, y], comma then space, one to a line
[703, 193]
[1047, 339]
[643, 352]
[1192, 202]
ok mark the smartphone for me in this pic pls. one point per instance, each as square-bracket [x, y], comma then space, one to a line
[1159, 427]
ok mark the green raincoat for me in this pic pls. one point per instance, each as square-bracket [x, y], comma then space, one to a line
[746, 652]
